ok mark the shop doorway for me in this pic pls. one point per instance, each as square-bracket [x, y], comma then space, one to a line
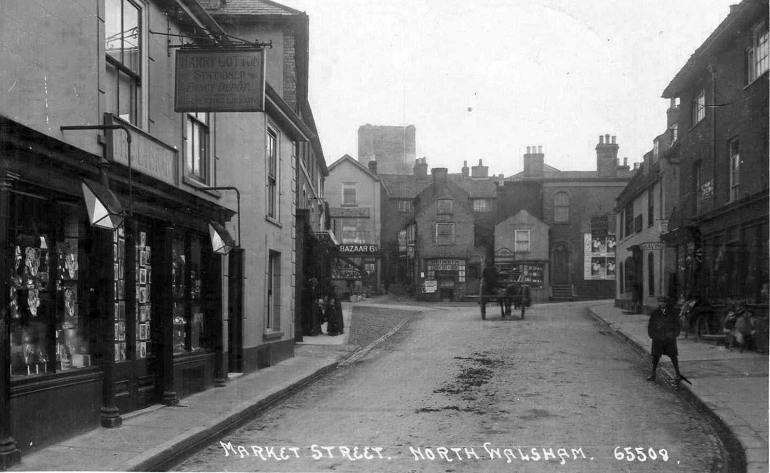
[560, 265]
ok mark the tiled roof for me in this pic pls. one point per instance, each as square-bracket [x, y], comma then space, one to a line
[401, 186]
[349, 212]
[638, 183]
[247, 7]
[476, 187]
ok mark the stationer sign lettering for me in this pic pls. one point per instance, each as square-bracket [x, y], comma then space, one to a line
[221, 80]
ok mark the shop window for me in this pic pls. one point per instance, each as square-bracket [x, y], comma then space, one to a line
[190, 262]
[735, 169]
[561, 207]
[445, 234]
[521, 241]
[197, 147]
[444, 206]
[48, 306]
[273, 319]
[272, 174]
[123, 45]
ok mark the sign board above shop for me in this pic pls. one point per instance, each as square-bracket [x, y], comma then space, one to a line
[353, 249]
[220, 80]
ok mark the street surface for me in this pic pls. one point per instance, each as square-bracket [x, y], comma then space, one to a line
[451, 392]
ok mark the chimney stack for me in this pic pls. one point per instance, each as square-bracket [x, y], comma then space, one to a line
[534, 161]
[607, 156]
[465, 169]
[439, 176]
[480, 170]
[420, 169]
[373, 166]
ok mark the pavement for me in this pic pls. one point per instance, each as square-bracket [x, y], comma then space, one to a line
[731, 385]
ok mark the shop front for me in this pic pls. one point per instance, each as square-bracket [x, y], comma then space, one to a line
[443, 279]
[99, 321]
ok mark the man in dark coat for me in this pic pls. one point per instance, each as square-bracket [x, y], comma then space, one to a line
[663, 328]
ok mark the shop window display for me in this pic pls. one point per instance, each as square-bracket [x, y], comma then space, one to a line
[48, 329]
[187, 290]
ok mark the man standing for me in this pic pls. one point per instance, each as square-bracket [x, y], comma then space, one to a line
[663, 328]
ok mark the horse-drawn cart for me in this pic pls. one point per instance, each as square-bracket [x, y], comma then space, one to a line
[506, 295]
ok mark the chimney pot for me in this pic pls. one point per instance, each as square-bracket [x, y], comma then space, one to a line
[613, 139]
[625, 161]
[539, 150]
[479, 162]
[601, 140]
[528, 150]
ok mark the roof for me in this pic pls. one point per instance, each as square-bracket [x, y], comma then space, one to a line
[400, 186]
[407, 186]
[476, 188]
[363, 168]
[638, 183]
[740, 16]
[551, 173]
[307, 116]
[247, 8]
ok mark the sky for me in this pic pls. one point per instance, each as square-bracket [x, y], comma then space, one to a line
[484, 79]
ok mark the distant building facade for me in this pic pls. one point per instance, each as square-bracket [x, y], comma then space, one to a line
[578, 208]
[392, 147]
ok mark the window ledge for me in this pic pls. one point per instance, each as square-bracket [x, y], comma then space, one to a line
[271, 335]
[274, 221]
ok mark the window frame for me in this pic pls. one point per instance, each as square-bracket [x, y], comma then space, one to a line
[453, 234]
[650, 207]
[561, 206]
[196, 127]
[349, 186]
[119, 72]
[734, 169]
[517, 243]
[444, 206]
[273, 170]
[757, 55]
[651, 274]
[482, 205]
[699, 107]
[273, 292]
[404, 205]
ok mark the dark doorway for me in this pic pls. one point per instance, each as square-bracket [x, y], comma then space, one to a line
[560, 265]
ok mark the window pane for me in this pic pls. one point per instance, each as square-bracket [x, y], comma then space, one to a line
[131, 50]
[179, 291]
[195, 325]
[112, 29]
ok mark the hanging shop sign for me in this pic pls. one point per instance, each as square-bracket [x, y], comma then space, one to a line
[358, 249]
[221, 80]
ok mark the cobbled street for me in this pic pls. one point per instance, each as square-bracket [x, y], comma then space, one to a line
[451, 392]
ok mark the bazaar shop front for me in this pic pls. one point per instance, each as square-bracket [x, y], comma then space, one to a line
[100, 322]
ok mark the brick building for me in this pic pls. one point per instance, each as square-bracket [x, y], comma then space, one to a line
[392, 147]
[577, 207]
[718, 231]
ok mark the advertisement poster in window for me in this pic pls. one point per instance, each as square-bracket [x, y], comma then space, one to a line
[599, 257]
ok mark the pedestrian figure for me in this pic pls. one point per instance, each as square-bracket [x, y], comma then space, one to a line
[336, 323]
[744, 329]
[663, 328]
